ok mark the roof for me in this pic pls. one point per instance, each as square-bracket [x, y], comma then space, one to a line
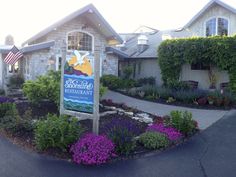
[39, 46]
[108, 31]
[31, 48]
[206, 7]
[130, 49]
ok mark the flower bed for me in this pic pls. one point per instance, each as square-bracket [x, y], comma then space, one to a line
[124, 132]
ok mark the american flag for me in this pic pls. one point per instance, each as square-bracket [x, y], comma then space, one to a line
[13, 56]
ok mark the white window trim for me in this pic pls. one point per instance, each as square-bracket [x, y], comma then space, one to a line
[217, 17]
[80, 31]
[57, 61]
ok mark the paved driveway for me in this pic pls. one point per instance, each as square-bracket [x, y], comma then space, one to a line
[209, 154]
[205, 118]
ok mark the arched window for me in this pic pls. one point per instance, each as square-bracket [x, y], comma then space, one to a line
[217, 26]
[79, 41]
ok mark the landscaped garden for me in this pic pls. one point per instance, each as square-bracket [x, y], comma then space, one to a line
[34, 122]
[174, 93]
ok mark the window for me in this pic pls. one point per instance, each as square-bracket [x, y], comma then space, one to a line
[200, 66]
[58, 63]
[79, 41]
[13, 68]
[217, 26]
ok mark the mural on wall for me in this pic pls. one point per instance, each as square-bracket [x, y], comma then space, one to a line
[79, 82]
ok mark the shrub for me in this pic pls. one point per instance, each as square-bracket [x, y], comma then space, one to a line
[102, 91]
[182, 121]
[6, 104]
[44, 87]
[92, 150]
[154, 140]
[147, 81]
[127, 71]
[177, 85]
[122, 132]
[111, 81]
[57, 132]
[170, 132]
[16, 81]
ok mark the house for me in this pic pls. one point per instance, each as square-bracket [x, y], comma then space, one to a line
[85, 30]
[140, 50]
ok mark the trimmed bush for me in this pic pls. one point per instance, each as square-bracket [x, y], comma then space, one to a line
[182, 121]
[44, 87]
[154, 140]
[57, 132]
[111, 81]
[92, 150]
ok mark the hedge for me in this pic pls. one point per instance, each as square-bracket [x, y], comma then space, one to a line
[216, 51]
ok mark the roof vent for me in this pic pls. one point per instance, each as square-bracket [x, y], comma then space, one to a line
[142, 39]
[142, 43]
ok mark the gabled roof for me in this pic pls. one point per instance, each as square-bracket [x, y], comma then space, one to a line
[109, 31]
[130, 50]
[206, 7]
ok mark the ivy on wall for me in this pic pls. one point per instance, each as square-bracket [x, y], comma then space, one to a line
[216, 51]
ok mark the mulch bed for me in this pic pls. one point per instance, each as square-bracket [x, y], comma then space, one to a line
[26, 139]
[178, 103]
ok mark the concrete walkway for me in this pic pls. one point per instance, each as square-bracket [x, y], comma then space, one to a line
[209, 154]
[205, 118]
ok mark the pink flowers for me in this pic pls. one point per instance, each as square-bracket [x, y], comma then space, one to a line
[93, 149]
[170, 132]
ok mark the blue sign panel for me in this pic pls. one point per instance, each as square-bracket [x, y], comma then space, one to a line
[79, 83]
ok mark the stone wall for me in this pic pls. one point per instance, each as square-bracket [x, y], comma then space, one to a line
[110, 65]
[38, 64]
[59, 35]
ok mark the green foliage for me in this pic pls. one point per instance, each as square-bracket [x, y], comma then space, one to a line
[147, 81]
[44, 87]
[114, 82]
[182, 121]
[16, 81]
[111, 81]
[57, 132]
[11, 121]
[128, 70]
[154, 140]
[102, 90]
[218, 51]
[2, 92]
[4, 107]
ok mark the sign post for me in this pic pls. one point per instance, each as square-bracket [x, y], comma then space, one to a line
[80, 87]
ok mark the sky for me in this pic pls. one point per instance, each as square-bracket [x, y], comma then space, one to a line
[24, 18]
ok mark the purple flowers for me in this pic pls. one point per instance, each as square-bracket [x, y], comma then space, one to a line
[93, 149]
[171, 133]
[6, 100]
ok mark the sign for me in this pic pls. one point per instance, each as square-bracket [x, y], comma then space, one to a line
[79, 83]
[80, 87]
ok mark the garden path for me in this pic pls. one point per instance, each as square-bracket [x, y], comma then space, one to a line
[204, 117]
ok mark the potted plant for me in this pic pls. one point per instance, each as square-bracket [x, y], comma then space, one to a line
[210, 99]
